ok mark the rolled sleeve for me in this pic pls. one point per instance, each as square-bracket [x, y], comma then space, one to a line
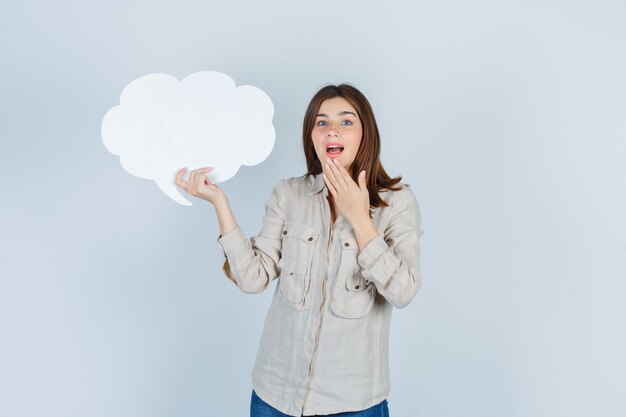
[392, 261]
[372, 251]
[253, 263]
[231, 240]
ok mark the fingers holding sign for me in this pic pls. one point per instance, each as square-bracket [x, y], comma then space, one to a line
[199, 185]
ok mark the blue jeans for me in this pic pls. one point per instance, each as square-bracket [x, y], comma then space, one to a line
[259, 408]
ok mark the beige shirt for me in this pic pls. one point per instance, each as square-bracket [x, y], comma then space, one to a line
[325, 342]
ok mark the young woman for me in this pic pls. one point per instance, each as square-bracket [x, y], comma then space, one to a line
[343, 241]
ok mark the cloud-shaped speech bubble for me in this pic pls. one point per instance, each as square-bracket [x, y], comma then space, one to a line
[163, 124]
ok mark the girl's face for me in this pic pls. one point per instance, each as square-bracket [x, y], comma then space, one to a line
[337, 123]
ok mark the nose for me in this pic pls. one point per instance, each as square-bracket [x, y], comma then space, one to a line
[332, 132]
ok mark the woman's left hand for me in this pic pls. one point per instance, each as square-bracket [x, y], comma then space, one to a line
[352, 199]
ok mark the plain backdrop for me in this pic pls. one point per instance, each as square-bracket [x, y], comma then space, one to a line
[506, 117]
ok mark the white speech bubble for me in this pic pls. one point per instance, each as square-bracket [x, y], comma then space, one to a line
[163, 124]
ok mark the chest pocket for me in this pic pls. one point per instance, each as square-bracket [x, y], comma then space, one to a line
[353, 295]
[298, 245]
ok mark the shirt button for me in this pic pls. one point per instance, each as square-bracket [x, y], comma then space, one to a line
[347, 244]
[310, 239]
[367, 281]
[356, 287]
[284, 232]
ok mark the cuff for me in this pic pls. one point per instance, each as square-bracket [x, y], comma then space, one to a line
[231, 240]
[370, 255]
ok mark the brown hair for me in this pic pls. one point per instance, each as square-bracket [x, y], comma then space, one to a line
[368, 155]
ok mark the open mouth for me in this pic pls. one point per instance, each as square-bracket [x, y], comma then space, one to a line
[334, 150]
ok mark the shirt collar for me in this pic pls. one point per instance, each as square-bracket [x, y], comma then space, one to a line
[316, 183]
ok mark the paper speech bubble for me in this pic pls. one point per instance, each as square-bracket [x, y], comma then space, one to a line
[163, 124]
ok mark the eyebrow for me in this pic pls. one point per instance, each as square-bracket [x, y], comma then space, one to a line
[343, 113]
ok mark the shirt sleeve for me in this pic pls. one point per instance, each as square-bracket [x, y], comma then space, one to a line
[392, 261]
[252, 264]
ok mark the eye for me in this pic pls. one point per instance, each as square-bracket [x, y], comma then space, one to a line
[347, 123]
[321, 123]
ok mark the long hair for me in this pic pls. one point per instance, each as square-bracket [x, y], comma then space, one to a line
[368, 155]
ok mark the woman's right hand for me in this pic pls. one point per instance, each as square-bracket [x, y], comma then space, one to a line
[198, 185]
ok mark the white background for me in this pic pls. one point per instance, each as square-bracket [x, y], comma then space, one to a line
[507, 118]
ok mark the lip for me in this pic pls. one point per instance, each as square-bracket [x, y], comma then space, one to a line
[334, 155]
[333, 143]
